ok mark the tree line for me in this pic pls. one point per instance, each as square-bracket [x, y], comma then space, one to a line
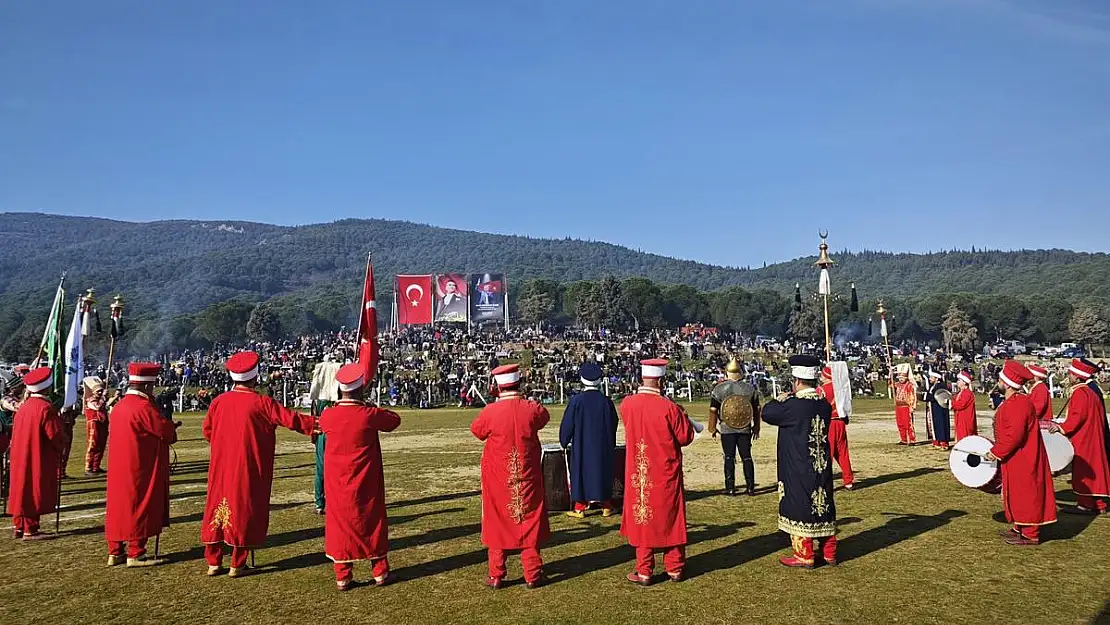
[960, 321]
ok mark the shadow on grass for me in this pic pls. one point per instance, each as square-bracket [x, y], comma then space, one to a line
[434, 499]
[576, 566]
[898, 529]
[704, 494]
[1103, 617]
[879, 480]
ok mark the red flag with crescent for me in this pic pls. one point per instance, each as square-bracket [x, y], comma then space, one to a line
[414, 300]
[368, 325]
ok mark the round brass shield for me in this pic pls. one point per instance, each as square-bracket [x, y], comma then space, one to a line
[736, 411]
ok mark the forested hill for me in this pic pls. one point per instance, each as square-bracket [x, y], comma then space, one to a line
[183, 266]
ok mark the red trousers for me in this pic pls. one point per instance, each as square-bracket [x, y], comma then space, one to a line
[806, 549]
[135, 548]
[582, 506]
[674, 560]
[1029, 532]
[530, 559]
[96, 439]
[26, 524]
[214, 555]
[345, 571]
[903, 416]
[1092, 503]
[838, 445]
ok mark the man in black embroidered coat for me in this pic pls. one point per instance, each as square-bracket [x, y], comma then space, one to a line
[806, 508]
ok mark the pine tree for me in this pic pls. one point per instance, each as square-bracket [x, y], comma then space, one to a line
[959, 333]
[1088, 326]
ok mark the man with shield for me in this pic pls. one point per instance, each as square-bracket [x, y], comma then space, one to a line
[734, 414]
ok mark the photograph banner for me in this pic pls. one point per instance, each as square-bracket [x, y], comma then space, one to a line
[451, 303]
[487, 300]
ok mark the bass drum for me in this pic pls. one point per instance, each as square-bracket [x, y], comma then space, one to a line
[971, 469]
[1060, 452]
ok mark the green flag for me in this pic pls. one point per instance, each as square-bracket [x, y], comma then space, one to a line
[50, 349]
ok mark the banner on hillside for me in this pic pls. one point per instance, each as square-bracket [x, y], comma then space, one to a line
[487, 300]
[414, 300]
[451, 300]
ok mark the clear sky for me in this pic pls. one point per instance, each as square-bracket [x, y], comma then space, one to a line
[726, 131]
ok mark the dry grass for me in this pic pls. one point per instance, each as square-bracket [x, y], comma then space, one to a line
[916, 546]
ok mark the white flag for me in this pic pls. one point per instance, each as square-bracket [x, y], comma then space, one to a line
[823, 287]
[75, 360]
[882, 327]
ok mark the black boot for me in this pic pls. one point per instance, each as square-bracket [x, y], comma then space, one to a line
[751, 490]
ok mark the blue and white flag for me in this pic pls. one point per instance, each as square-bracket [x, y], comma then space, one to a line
[75, 360]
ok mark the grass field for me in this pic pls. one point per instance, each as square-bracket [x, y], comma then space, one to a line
[916, 547]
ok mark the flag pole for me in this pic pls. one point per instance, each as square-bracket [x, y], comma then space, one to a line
[362, 313]
[823, 287]
[60, 293]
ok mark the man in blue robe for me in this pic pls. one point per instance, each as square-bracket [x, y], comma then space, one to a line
[938, 411]
[589, 433]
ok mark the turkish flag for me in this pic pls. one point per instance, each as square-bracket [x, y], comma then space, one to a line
[368, 326]
[414, 300]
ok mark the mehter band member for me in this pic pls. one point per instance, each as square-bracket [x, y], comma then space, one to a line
[138, 504]
[806, 508]
[838, 430]
[514, 516]
[963, 406]
[654, 517]
[905, 403]
[1039, 393]
[1086, 426]
[1028, 496]
[938, 411]
[589, 432]
[355, 527]
[240, 427]
[38, 438]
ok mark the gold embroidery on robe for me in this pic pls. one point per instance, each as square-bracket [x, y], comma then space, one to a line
[221, 516]
[641, 486]
[818, 451]
[819, 502]
[516, 506]
[782, 491]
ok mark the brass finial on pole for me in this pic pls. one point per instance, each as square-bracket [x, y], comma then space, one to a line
[823, 286]
[116, 308]
[881, 311]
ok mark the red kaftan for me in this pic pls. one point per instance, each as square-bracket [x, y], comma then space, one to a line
[513, 512]
[1042, 401]
[139, 482]
[1090, 471]
[963, 409]
[355, 527]
[38, 438]
[1028, 496]
[240, 427]
[655, 430]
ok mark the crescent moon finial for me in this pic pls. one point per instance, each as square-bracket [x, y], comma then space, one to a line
[824, 234]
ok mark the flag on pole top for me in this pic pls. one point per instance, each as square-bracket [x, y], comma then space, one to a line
[50, 348]
[368, 325]
[74, 357]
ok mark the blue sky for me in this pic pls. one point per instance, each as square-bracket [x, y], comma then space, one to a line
[726, 131]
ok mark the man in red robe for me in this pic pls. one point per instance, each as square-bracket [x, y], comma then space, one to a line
[1028, 497]
[38, 438]
[139, 484]
[1086, 426]
[96, 425]
[240, 427]
[905, 402]
[514, 516]
[355, 527]
[654, 517]
[1039, 395]
[963, 406]
[838, 430]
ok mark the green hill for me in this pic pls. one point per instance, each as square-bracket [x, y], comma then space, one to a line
[167, 269]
